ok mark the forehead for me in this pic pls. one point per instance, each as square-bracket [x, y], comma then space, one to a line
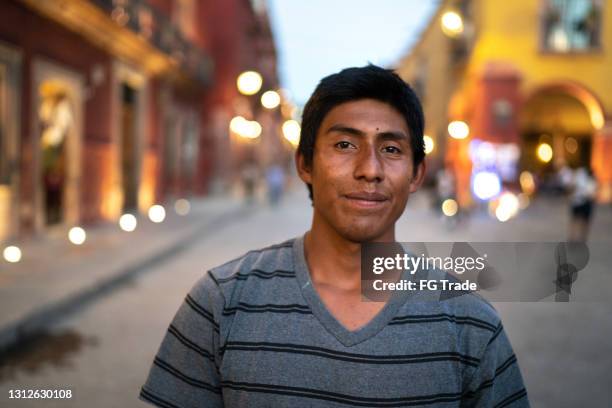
[368, 115]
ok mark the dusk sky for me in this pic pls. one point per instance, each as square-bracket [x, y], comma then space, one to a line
[316, 38]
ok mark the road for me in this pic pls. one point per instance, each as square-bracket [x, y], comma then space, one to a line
[103, 353]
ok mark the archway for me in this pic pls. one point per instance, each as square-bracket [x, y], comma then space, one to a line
[558, 123]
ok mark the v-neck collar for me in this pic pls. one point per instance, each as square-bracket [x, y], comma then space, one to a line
[347, 337]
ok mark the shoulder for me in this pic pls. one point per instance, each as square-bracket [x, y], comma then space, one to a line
[216, 288]
[267, 259]
[474, 306]
[265, 262]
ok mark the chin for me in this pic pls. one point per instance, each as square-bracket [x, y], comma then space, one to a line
[364, 233]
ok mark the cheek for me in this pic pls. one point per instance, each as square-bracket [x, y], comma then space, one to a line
[400, 177]
[331, 173]
[335, 163]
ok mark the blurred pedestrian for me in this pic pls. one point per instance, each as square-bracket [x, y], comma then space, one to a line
[565, 177]
[249, 175]
[445, 190]
[445, 184]
[275, 179]
[583, 190]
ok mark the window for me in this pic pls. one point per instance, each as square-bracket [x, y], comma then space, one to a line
[571, 25]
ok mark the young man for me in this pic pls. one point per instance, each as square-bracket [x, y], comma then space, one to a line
[285, 326]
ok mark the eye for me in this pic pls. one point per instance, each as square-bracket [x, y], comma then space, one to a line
[344, 145]
[392, 149]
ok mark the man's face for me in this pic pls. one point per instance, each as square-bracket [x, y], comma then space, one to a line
[362, 171]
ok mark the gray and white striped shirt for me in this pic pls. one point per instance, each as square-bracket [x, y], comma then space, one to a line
[254, 333]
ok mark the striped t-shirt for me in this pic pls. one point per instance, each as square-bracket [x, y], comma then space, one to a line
[254, 333]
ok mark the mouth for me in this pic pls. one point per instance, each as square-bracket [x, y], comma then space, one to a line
[366, 200]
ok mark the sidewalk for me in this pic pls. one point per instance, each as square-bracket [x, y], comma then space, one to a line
[56, 277]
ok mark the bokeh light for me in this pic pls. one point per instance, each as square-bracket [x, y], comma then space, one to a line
[450, 207]
[571, 145]
[486, 185]
[12, 254]
[458, 129]
[248, 129]
[507, 206]
[291, 131]
[544, 152]
[429, 144]
[157, 213]
[270, 99]
[249, 82]
[128, 222]
[452, 23]
[182, 206]
[77, 235]
[527, 182]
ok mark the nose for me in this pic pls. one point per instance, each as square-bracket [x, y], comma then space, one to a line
[369, 166]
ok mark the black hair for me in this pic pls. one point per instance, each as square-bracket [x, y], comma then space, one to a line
[351, 84]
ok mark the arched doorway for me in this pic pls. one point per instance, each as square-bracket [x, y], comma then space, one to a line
[57, 123]
[557, 127]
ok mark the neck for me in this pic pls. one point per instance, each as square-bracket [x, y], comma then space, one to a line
[334, 260]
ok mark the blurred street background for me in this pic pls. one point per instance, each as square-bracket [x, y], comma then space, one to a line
[145, 141]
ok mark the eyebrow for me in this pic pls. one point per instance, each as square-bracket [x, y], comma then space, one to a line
[389, 135]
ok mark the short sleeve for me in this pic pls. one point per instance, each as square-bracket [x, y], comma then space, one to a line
[185, 371]
[497, 381]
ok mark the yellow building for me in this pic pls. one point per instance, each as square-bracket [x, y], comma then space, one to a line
[522, 75]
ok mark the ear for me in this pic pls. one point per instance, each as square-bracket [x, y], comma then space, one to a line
[418, 178]
[304, 171]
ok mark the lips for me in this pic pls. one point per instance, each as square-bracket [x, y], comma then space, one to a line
[367, 201]
[365, 196]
